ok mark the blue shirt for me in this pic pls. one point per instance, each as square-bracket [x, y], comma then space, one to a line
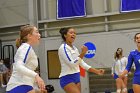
[134, 56]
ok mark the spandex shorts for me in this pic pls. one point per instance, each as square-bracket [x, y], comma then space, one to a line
[21, 89]
[115, 76]
[136, 80]
[71, 78]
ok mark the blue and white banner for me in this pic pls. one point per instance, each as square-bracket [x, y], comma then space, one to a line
[130, 5]
[70, 9]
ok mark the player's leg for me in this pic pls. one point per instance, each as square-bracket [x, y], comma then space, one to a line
[136, 88]
[118, 85]
[32, 91]
[71, 88]
[124, 84]
[79, 86]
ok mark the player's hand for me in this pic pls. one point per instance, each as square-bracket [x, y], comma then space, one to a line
[112, 75]
[120, 76]
[84, 49]
[40, 82]
[101, 71]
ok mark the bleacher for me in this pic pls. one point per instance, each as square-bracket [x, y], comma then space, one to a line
[106, 82]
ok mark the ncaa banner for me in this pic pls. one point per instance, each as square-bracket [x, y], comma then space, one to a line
[91, 50]
[70, 9]
[130, 5]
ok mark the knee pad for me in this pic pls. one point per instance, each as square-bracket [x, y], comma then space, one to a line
[118, 90]
[124, 90]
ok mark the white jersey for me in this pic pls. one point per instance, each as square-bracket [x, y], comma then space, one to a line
[69, 60]
[119, 65]
[25, 62]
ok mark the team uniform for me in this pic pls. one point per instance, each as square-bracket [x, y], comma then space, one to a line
[70, 63]
[119, 66]
[134, 56]
[23, 75]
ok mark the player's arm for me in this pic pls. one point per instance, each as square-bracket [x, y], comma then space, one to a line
[20, 62]
[128, 67]
[113, 70]
[90, 69]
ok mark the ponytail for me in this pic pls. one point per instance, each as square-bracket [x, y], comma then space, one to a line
[18, 42]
